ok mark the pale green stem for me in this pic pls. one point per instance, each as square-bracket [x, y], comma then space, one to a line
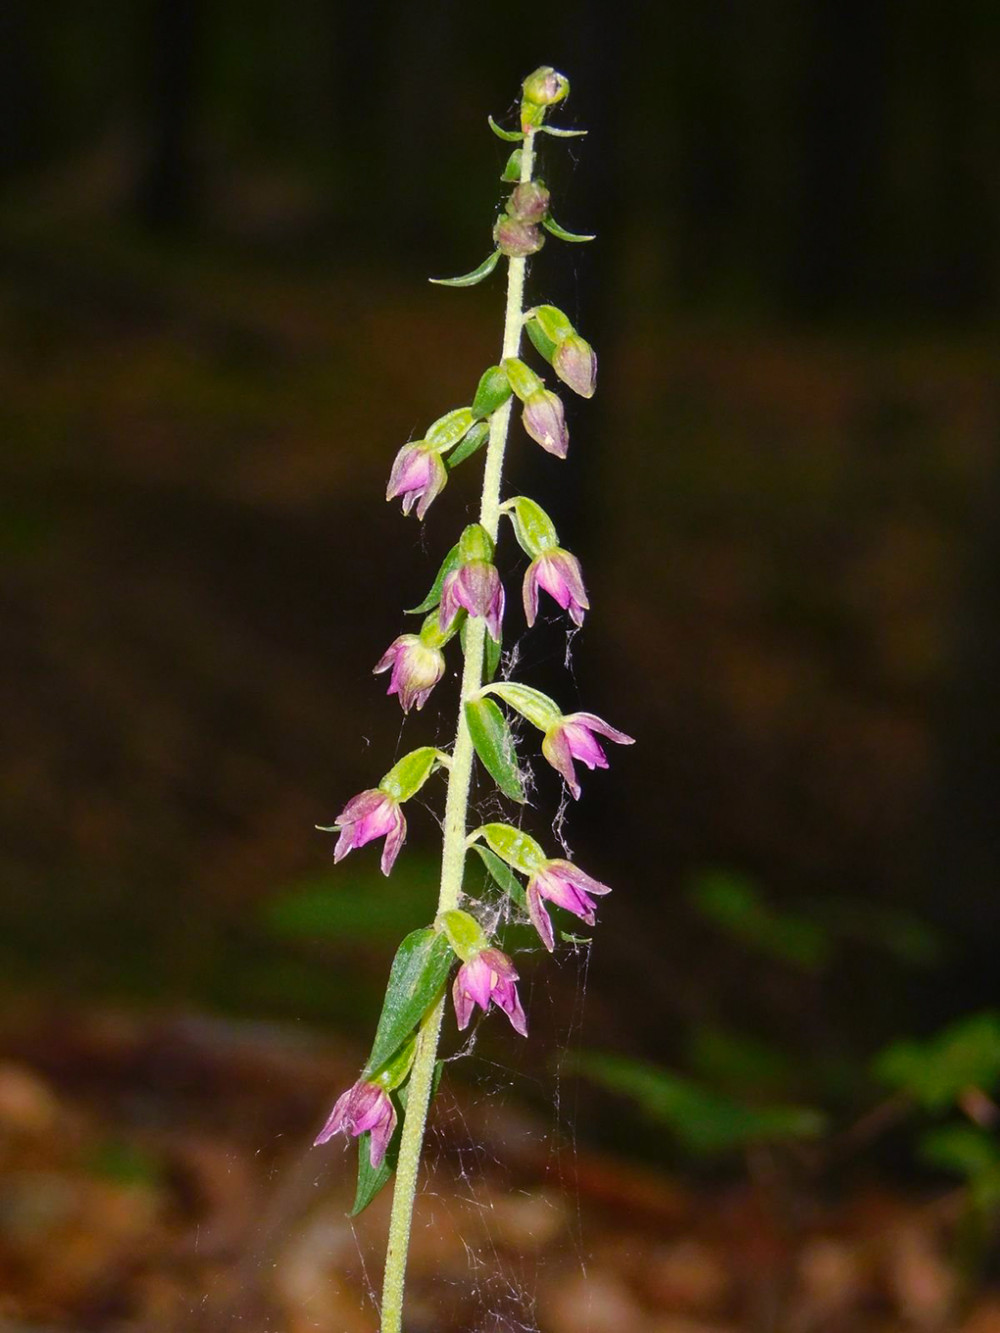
[456, 815]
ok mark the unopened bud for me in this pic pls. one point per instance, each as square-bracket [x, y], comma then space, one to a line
[517, 239]
[545, 422]
[529, 202]
[575, 362]
[545, 86]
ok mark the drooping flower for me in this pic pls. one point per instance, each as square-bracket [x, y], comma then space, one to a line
[488, 975]
[416, 669]
[575, 362]
[559, 574]
[474, 587]
[562, 883]
[371, 814]
[572, 737]
[418, 475]
[545, 421]
[363, 1107]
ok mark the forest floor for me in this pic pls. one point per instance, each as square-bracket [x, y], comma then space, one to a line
[157, 1176]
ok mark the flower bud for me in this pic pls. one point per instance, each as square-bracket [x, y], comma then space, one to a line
[575, 362]
[517, 239]
[545, 86]
[545, 422]
[529, 202]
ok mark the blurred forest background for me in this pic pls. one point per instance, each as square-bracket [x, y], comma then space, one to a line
[216, 227]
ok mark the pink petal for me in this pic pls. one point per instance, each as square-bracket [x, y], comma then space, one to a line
[594, 723]
[539, 917]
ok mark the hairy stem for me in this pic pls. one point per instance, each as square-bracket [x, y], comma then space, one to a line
[455, 827]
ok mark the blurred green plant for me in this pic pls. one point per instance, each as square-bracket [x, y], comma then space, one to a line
[703, 1120]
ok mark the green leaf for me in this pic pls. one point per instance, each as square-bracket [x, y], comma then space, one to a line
[418, 972]
[561, 234]
[704, 1121]
[562, 134]
[736, 905]
[449, 429]
[476, 437]
[512, 167]
[509, 136]
[502, 875]
[965, 1149]
[536, 707]
[513, 845]
[405, 779]
[493, 391]
[432, 599]
[470, 279]
[494, 745]
[533, 528]
[543, 344]
[372, 1180]
[494, 648]
[936, 1072]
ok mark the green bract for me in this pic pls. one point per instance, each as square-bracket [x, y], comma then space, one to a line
[470, 279]
[418, 973]
[495, 746]
[450, 562]
[493, 391]
[477, 436]
[512, 169]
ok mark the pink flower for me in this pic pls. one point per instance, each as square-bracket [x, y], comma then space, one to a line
[416, 669]
[544, 420]
[418, 474]
[474, 587]
[364, 1107]
[572, 737]
[371, 814]
[575, 362]
[560, 882]
[559, 574]
[488, 975]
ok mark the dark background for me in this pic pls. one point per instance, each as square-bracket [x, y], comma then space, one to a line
[217, 224]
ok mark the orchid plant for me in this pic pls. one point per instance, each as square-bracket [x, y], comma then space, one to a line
[387, 1108]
